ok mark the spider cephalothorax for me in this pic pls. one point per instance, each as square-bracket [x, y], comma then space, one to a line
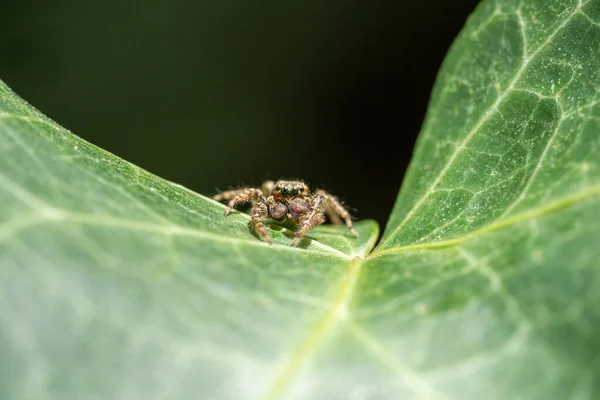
[291, 200]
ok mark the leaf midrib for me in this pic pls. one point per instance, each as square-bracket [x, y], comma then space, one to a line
[318, 332]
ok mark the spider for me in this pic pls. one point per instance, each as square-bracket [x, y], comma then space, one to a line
[288, 199]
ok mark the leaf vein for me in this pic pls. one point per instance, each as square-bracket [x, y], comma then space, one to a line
[533, 213]
[484, 118]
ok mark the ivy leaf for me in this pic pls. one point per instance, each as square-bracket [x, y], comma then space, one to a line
[488, 272]
[118, 284]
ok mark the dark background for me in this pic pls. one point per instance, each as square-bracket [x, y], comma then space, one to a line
[212, 94]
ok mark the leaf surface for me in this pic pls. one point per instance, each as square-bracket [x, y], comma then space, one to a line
[488, 272]
[118, 284]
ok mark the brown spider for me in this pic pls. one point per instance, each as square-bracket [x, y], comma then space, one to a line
[288, 199]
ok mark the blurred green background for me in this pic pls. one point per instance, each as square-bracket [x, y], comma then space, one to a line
[212, 94]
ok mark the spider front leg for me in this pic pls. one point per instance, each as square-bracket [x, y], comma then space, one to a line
[266, 189]
[315, 217]
[258, 214]
[238, 196]
[335, 210]
[259, 207]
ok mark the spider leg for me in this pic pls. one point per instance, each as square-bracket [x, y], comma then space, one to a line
[334, 208]
[258, 213]
[331, 214]
[242, 197]
[267, 187]
[229, 194]
[315, 217]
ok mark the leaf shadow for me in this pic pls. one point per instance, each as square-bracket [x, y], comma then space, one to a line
[287, 229]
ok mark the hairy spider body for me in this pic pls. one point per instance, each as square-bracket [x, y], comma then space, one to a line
[291, 200]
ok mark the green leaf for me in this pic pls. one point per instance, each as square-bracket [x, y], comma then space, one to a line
[488, 272]
[118, 284]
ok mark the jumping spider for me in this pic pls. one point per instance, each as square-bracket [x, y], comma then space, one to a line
[288, 199]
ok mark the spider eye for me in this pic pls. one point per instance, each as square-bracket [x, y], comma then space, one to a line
[294, 191]
[284, 191]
